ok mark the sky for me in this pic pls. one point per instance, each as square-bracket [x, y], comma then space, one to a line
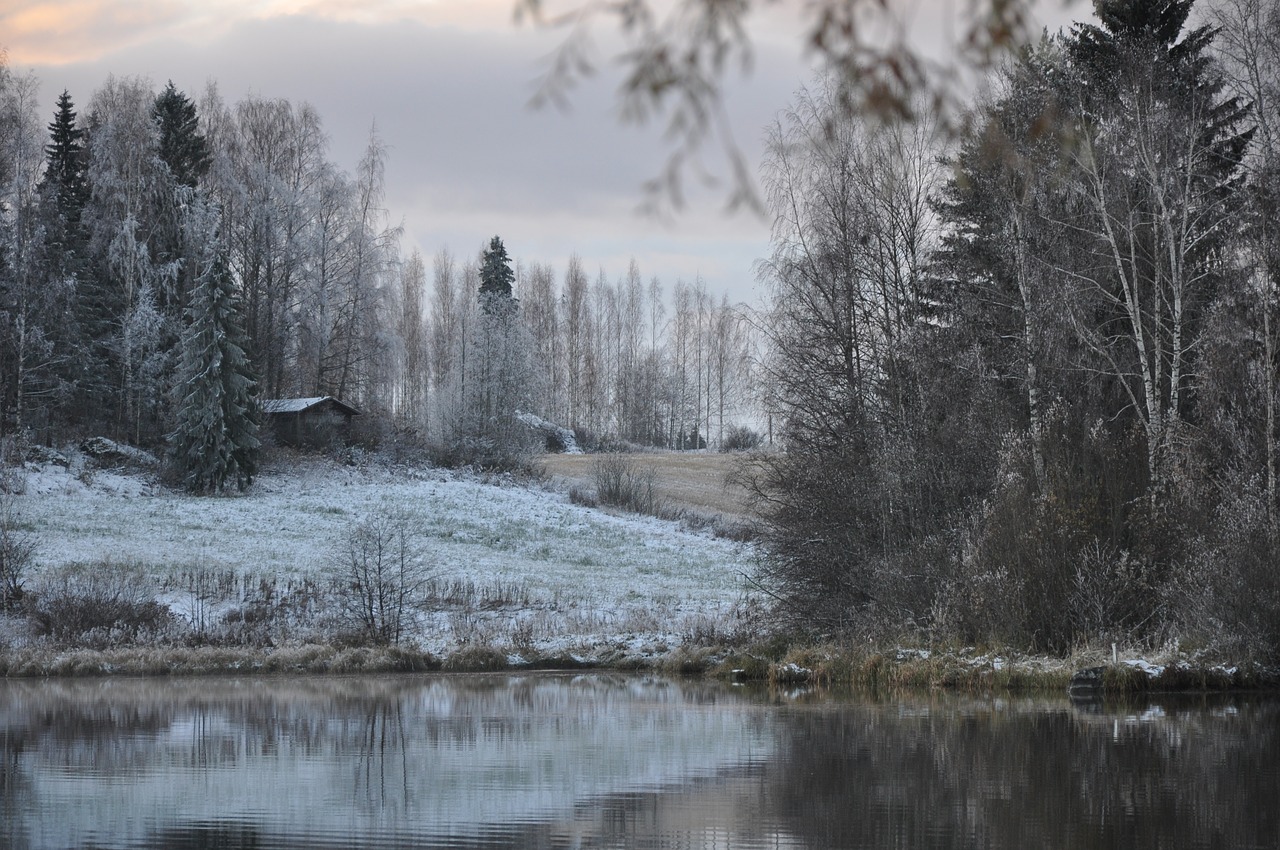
[448, 85]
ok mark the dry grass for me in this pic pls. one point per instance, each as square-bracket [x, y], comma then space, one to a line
[183, 661]
[694, 481]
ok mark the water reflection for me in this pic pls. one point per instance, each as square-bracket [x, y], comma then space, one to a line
[615, 762]
[1032, 773]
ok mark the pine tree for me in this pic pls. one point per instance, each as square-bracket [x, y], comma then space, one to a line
[215, 442]
[182, 147]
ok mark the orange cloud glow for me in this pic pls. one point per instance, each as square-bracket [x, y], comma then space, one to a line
[56, 32]
[60, 31]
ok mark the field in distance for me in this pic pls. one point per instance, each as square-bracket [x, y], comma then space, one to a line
[697, 481]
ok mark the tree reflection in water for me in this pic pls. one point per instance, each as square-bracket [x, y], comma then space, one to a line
[498, 763]
[1019, 774]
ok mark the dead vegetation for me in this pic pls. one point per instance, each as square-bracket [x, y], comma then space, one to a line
[683, 482]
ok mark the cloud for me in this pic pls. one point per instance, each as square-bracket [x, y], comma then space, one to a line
[468, 157]
[448, 84]
[59, 31]
[466, 14]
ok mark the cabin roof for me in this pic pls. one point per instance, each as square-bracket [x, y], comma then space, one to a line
[301, 405]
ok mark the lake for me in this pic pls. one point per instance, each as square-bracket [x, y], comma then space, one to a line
[613, 761]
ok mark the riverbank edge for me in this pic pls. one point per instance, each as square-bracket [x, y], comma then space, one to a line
[964, 670]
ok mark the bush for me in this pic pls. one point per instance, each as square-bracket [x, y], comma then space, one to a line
[620, 482]
[740, 438]
[380, 577]
[17, 550]
[99, 606]
[583, 497]
[486, 454]
[1227, 597]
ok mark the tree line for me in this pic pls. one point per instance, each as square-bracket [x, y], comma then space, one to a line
[133, 229]
[1029, 374]
[617, 361]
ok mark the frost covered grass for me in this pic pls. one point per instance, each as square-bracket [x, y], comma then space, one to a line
[513, 569]
[517, 576]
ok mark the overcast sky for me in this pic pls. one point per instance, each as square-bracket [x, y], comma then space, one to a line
[448, 83]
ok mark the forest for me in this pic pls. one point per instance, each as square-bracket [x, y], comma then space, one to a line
[150, 236]
[1029, 377]
[1017, 378]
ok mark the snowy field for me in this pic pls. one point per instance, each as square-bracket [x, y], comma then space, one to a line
[572, 579]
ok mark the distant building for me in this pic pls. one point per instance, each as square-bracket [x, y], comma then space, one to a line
[309, 423]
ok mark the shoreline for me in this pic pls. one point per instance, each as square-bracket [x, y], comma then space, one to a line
[906, 670]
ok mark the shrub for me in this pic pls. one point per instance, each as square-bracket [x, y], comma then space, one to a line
[380, 576]
[740, 438]
[1228, 595]
[486, 454]
[583, 497]
[622, 483]
[17, 550]
[98, 605]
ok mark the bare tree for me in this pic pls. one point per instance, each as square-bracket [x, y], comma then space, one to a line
[268, 176]
[415, 373]
[850, 237]
[577, 330]
[542, 317]
[1156, 166]
[34, 296]
[1248, 44]
[381, 576]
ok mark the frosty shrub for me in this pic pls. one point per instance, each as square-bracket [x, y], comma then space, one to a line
[17, 549]
[381, 577]
[1228, 596]
[622, 483]
[740, 438]
[98, 605]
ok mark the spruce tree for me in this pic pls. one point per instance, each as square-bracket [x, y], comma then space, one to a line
[496, 275]
[64, 195]
[216, 439]
[182, 147]
[65, 174]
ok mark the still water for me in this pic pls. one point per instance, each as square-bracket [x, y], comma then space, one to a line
[603, 761]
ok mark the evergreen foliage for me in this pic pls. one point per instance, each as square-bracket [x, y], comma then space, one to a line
[496, 275]
[182, 147]
[65, 172]
[215, 443]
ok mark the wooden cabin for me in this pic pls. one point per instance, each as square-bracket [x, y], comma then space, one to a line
[309, 423]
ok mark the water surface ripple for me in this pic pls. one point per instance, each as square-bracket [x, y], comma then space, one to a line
[608, 761]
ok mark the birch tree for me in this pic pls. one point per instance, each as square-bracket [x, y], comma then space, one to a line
[33, 298]
[129, 186]
[414, 372]
[1158, 154]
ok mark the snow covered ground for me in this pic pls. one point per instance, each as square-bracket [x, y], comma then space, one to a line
[586, 582]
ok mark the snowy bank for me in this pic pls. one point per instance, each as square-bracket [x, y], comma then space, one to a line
[512, 565]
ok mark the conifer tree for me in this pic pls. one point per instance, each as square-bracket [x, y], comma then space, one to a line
[66, 161]
[216, 439]
[496, 275]
[64, 195]
[182, 147]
